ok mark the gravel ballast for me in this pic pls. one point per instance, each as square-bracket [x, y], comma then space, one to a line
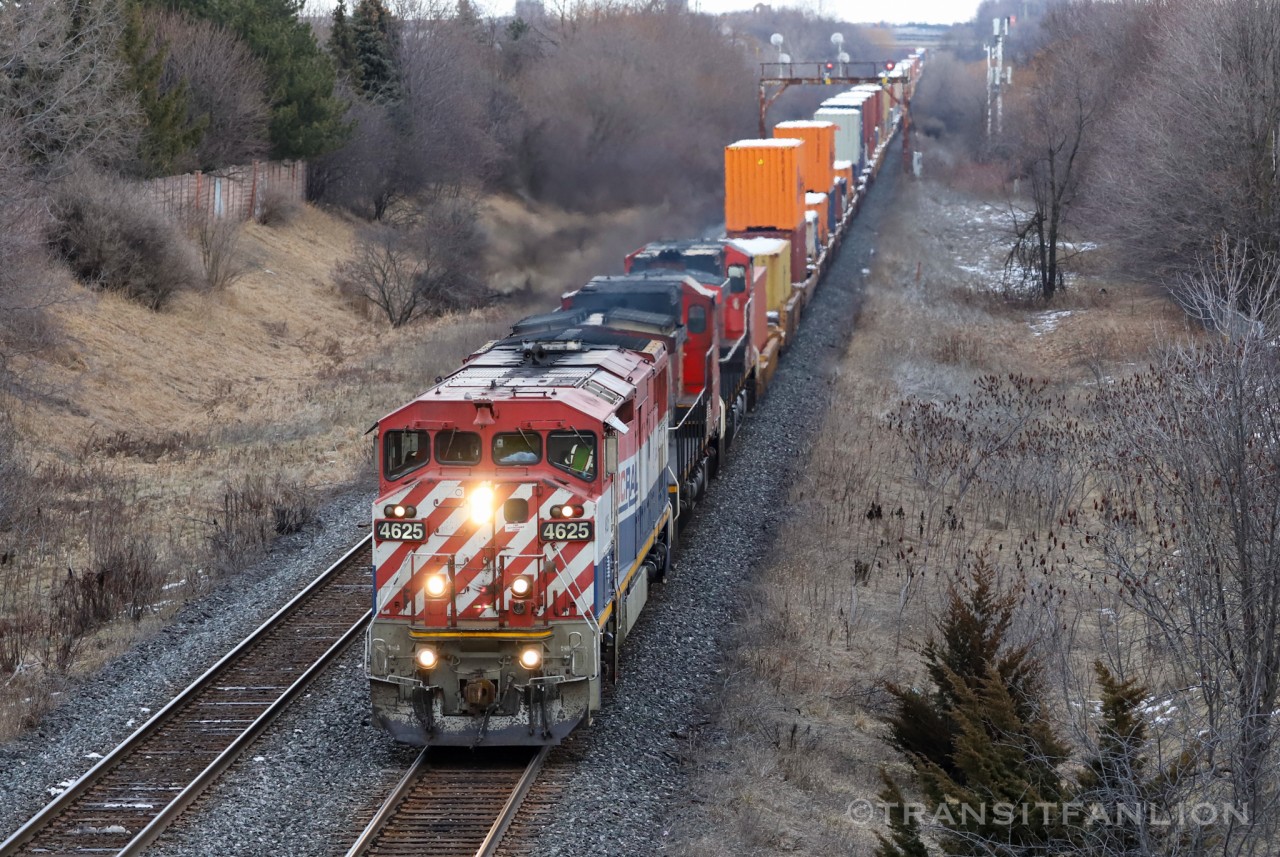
[101, 712]
[300, 788]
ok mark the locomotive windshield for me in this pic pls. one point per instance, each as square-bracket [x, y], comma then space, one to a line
[404, 452]
[517, 449]
[458, 447]
[573, 452]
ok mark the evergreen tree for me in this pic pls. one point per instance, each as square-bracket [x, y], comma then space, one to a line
[1116, 780]
[342, 44]
[1006, 794]
[976, 740]
[971, 639]
[306, 117]
[517, 28]
[904, 830]
[167, 132]
[374, 36]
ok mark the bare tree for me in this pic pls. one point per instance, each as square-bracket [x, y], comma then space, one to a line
[1193, 153]
[422, 264]
[1054, 131]
[383, 271]
[1190, 532]
[226, 86]
[604, 129]
[59, 76]
[27, 290]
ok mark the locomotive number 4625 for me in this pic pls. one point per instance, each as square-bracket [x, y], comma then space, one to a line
[566, 531]
[400, 531]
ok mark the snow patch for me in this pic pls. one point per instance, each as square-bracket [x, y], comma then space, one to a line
[60, 787]
[1047, 322]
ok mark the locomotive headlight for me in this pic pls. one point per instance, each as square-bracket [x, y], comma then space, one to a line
[531, 658]
[481, 502]
[522, 586]
[426, 658]
[399, 511]
[437, 585]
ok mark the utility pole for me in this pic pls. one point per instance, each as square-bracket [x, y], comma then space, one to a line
[996, 74]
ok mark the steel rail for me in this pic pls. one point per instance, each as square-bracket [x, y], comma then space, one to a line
[491, 842]
[389, 806]
[224, 760]
[383, 821]
[86, 781]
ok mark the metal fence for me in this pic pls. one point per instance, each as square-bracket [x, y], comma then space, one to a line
[237, 193]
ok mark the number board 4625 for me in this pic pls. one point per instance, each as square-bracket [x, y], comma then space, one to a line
[566, 531]
[400, 531]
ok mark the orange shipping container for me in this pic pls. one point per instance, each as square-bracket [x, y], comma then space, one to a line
[762, 187]
[819, 151]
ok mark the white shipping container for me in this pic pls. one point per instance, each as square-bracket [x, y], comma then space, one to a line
[848, 122]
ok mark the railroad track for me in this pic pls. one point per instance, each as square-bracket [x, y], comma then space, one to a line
[124, 802]
[453, 804]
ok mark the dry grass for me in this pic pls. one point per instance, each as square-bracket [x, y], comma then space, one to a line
[875, 541]
[242, 407]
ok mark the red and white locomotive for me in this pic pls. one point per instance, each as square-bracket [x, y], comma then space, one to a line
[522, 512]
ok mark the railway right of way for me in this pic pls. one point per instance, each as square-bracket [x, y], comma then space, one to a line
[129, 797]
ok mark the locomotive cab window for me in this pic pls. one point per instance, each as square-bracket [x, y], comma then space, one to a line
[697, 319]
[737, 279]
[457, 447]
[517, 449]
[573, 452]
[404, 452]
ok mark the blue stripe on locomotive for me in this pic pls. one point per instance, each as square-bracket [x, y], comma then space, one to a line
[633, 533]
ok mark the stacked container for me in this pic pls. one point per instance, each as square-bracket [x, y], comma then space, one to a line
[762, 185]
[764, 194]
[773, 255]
[818, 153]
[845, 170]
[847, 117]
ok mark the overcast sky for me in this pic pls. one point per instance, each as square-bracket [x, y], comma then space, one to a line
[859, 11]
[855, 11]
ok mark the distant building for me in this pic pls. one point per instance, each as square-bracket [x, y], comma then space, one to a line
[530, 10]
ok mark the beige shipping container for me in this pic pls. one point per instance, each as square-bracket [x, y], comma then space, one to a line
[762, 185]
[848, 122]
[774, 255]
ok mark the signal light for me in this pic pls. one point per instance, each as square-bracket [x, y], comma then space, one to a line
[888, 66]
[568, 510]
[830, 66]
